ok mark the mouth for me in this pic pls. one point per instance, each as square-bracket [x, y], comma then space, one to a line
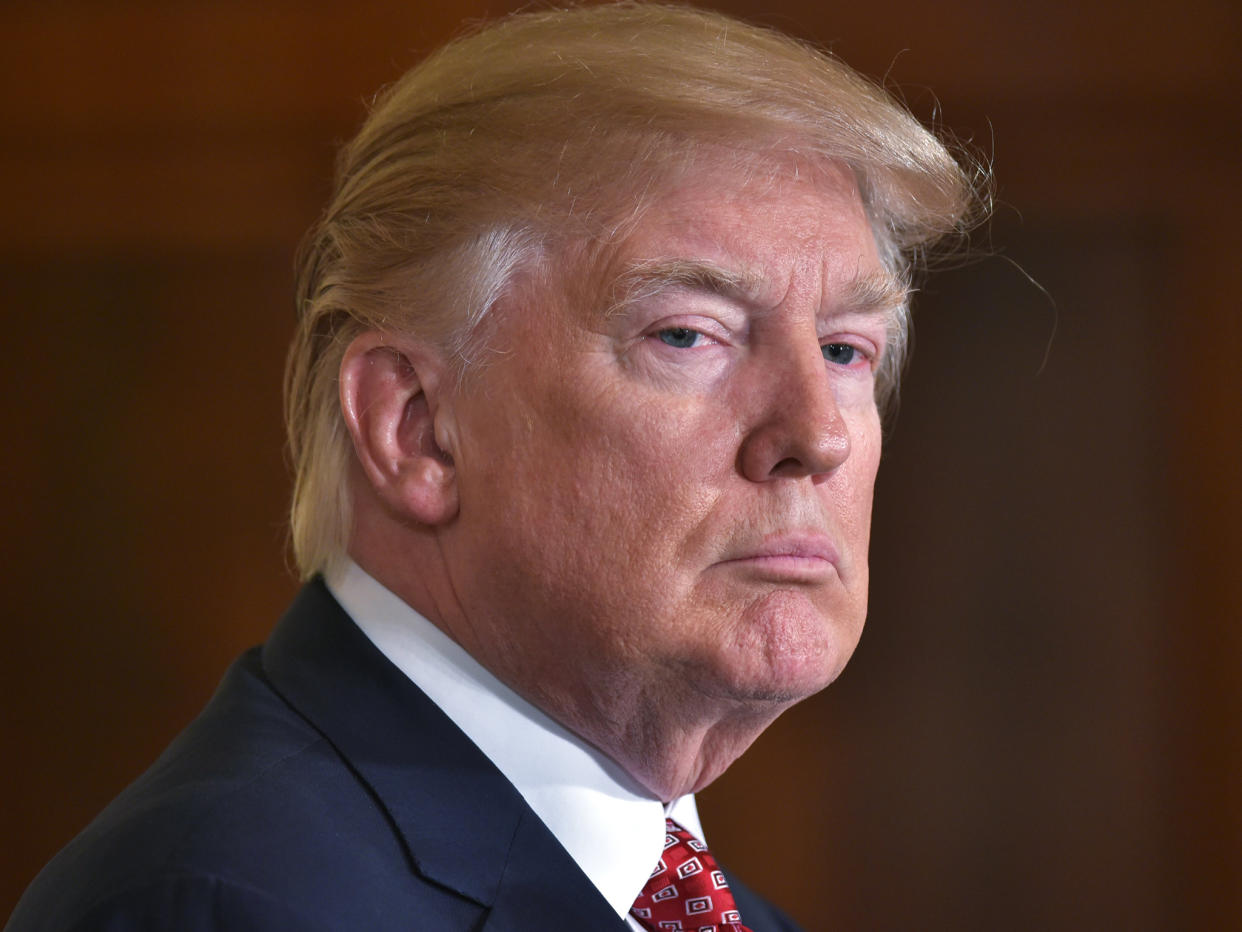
[796, 557]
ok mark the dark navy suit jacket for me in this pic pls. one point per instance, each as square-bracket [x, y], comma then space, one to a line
[321, 790]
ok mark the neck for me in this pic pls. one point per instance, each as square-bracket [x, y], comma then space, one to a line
[669, 744]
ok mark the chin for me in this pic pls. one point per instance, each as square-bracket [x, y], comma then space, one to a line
[786, 682]
[787, 649]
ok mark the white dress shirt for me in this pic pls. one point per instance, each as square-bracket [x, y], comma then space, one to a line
[599, 815]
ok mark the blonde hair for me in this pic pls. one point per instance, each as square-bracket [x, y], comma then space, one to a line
[544, 131]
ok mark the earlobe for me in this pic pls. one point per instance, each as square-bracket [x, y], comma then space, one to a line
[391, 403]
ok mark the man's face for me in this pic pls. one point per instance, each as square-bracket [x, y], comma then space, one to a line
[670, 490]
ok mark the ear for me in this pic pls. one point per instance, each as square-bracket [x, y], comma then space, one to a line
[390, 398]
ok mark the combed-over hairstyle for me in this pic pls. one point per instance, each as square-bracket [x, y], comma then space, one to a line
[547, 130]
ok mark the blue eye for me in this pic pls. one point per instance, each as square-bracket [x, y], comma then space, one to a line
[840, 353]
[679, 337]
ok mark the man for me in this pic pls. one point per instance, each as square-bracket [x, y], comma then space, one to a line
[584, 410]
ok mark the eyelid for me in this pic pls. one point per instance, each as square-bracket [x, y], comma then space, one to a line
[863, 344]
[707, 326]
[872, 326]
[867, 354]
[678, 303]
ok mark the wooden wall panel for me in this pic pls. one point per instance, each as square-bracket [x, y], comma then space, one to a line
[143, 515]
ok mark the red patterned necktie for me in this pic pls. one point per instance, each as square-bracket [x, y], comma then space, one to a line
[687, 891]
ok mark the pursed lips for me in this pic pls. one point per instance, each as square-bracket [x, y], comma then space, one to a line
[807, 556]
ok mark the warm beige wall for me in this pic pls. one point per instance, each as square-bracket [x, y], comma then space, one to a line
[1041, 729]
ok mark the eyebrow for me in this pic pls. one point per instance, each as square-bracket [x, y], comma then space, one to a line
[651, 277]
[878, 292]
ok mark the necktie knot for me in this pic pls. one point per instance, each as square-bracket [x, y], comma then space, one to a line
[687, 891]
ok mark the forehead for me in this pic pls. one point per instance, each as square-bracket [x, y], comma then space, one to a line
[754, 236]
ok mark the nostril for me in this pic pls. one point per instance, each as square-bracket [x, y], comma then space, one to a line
[788, 467]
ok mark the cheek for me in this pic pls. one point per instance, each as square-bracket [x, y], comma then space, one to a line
[637, 479]
[865, 448]
[592, 485]
[847, 495]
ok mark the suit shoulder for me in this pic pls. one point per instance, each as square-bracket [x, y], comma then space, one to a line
[188, 902]
[246, 811]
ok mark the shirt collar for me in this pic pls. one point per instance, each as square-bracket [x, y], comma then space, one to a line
[599, 815]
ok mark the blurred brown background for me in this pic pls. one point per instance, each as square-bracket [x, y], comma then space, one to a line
[1041, 728]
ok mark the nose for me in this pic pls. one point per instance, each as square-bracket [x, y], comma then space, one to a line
[798, 429]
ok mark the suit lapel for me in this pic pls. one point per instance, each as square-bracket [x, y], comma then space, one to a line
[465, 827]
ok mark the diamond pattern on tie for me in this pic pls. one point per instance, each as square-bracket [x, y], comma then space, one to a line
[687, 891]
